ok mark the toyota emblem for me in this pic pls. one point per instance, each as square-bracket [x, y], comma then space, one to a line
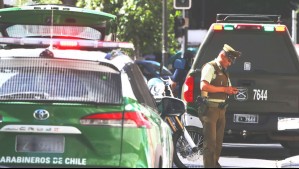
[41, 114]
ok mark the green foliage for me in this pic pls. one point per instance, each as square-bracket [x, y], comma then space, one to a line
[47, 1]
[139, 22]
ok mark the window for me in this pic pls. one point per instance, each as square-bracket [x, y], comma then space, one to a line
[262, 51]
[139, 86]
[20, 31]
[59, 84]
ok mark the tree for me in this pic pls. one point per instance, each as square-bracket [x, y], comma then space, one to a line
[47, 1]
[1, 4]
[69, 2]
[139, 22]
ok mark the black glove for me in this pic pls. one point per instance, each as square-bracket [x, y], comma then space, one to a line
[201, 100]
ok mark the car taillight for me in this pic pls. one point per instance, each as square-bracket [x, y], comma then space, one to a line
[130, 119]
[189, 89]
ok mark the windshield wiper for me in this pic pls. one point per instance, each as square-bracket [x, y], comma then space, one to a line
[25, 95]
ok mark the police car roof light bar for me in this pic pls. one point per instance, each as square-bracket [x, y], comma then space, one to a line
[248, 18]
[66, 42]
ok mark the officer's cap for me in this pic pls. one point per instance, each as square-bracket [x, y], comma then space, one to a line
[231, 53]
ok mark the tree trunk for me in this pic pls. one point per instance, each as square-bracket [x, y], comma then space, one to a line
[1, 4]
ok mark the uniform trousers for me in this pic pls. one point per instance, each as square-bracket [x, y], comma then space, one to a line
[213, 121]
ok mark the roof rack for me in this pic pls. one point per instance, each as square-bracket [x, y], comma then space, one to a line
[247, 18]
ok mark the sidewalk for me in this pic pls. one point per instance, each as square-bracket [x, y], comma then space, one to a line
[234, 162]
[230, 162]
[292, 162]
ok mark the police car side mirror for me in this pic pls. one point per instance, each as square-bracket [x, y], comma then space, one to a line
[172, 106]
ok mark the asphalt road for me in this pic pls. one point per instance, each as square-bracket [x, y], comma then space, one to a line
[255, 151]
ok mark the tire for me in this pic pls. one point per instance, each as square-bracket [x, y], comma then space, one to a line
[182, 150]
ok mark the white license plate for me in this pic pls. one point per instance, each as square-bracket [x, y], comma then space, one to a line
[287, 123]
[246, 118]
[40, 143]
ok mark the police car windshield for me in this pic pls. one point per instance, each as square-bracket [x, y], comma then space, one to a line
[261, 51]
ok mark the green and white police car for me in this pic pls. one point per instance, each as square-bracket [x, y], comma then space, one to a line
[64, 104]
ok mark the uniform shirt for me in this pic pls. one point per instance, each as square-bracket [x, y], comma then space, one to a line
[208, 74]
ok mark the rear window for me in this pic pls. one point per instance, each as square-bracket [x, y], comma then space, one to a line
[20, 31]
[52, 82]
[265, 52]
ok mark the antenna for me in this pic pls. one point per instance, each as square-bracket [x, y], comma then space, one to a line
[47, 53]
[52, 24]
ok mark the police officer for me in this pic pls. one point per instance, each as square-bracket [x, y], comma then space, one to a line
[215, 88]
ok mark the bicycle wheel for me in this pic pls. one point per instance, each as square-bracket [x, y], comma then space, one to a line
[183, 156]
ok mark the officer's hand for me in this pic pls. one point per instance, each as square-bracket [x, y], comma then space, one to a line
[231, 90]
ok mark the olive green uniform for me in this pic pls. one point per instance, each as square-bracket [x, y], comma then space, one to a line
[213, 119]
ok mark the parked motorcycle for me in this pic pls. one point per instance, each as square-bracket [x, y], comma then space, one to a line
[187, 140]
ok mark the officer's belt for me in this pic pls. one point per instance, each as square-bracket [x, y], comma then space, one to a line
[221, 105]
[216, 100]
